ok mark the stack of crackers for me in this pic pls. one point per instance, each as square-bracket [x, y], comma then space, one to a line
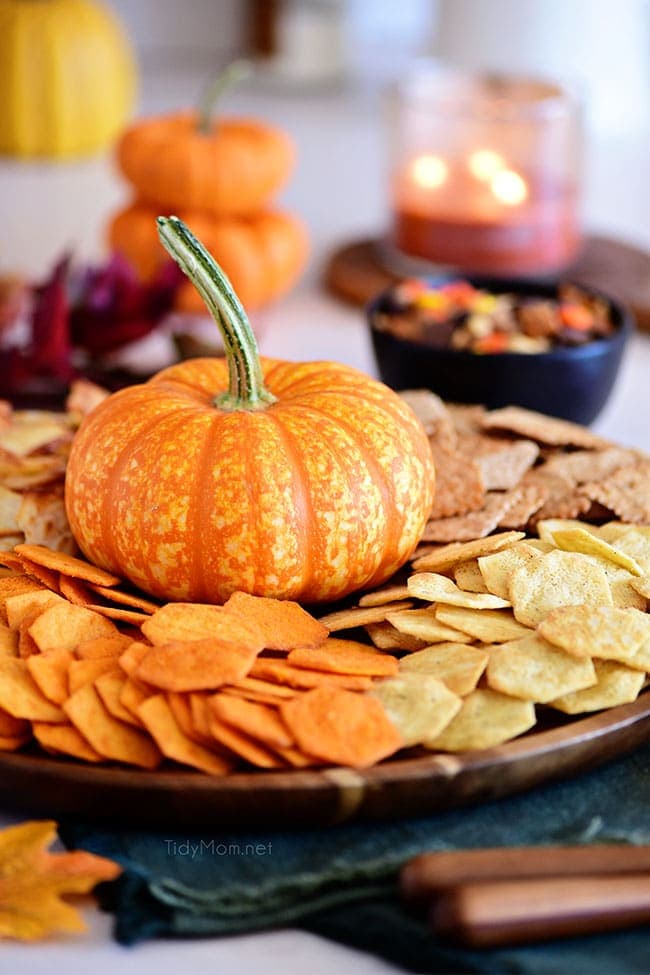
[512, 607]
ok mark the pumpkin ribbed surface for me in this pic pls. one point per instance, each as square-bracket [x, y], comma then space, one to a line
[234, 169]
[67, 77]
[323, 492]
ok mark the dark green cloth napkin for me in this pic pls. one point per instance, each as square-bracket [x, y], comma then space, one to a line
[341, 882]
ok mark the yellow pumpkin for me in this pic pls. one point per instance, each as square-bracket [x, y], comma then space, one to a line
[295, 480]
[67, 78]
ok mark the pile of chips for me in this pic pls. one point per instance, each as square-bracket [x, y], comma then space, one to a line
[34, 448]
[511, 608]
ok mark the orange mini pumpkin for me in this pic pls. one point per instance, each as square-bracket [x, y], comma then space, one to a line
[295, 480]
[262, 255]
[191, 161]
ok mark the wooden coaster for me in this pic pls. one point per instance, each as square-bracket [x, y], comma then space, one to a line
[356, 272]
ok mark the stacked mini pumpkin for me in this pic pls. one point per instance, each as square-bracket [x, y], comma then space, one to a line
[220, 177]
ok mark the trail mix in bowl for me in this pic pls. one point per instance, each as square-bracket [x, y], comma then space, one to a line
[456, 315]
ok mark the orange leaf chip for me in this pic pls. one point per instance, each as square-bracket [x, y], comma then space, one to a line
[34, 880]
[282, 624]
[126, 599]
[345, 657]
[48, 577]
[76, 591]
[109, 736]
[50, 673]
[20, 695]
[243, 745]
[178, 622]
[8, 641]
[133, 693]
[11, 727]
[64, 739]
[341, 727]
[102, 646]
[196, 665]
[182, 710]
[303, 678]
[64, 626]
[24, 604]
[120, 613]
[156, 715]
[109, 686]
[67, 565]
[12, 744]
[83, 672]
[131, 658]
[257, 720]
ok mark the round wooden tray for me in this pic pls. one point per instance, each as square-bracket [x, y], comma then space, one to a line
[358, 271]
[265, 800]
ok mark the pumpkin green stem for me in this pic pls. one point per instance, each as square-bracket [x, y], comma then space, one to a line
[230, 76]
[246, 389]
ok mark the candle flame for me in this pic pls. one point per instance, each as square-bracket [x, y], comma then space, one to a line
[429, 171]
[509, 187]
[485, 164]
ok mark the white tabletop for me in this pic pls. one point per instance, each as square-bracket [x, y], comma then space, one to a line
[339, 190]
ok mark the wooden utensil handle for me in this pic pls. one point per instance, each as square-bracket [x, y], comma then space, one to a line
[431, 872]
[516, 911]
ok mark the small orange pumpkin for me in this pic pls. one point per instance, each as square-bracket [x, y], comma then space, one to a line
[189, 161]
[262, 255]
[295, 480]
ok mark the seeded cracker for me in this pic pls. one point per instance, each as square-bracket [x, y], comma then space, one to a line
[543, 429]
[459, 484]
[476, 524]
[504, 468]
[626, 493]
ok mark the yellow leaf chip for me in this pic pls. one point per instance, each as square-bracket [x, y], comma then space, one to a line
[485, 719]
[497, 569]
[468, 576]
[580, 540]
[556, 579]
[534, 670]
[419, 705]
[486, 625]
[459, 667]
[385, 636]
[606, 632]
[616, 684]
[440, 589]
[425, 625]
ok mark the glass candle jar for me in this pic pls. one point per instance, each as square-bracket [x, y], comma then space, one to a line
[485, 172]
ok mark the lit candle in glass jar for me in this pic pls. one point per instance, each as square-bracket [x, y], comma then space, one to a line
[485, 176]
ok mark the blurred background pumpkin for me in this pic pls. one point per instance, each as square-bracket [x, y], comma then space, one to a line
[67, 77]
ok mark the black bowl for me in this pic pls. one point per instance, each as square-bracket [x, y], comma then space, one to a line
[573, 383]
